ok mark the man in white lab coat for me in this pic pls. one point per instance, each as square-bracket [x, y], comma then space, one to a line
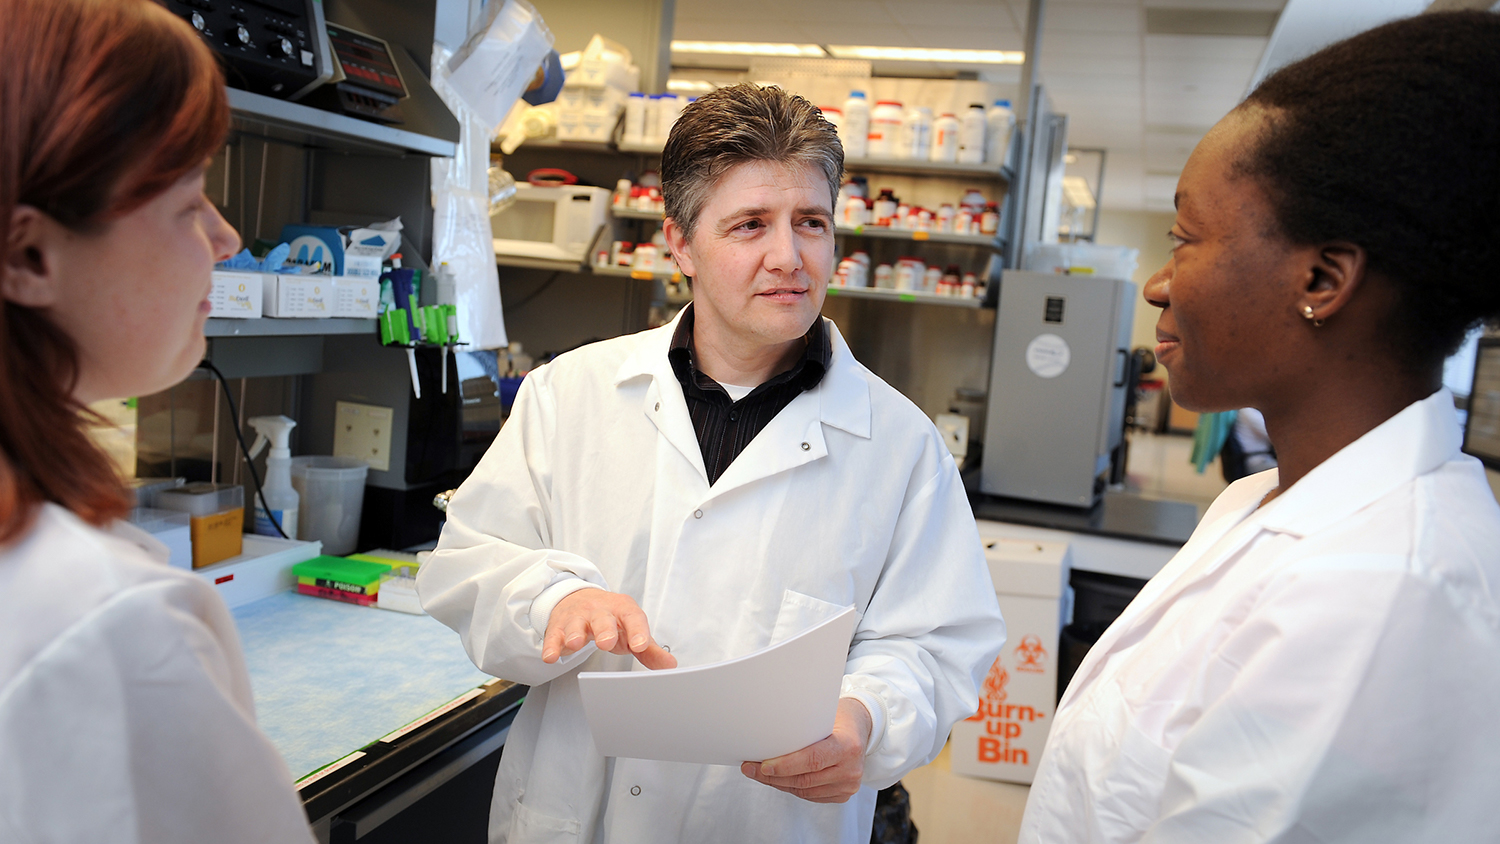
[697, 492]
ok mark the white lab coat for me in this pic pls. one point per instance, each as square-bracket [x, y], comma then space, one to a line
[125, 708]
[848, 497]
[1323, 669]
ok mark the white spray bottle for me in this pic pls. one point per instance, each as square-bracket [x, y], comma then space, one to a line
[280, 499]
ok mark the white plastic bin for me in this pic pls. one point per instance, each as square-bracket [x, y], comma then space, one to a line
[332, 491]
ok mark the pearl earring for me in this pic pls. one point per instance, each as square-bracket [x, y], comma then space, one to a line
[1307, 314]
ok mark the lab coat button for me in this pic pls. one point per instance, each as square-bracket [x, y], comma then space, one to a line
[635, 791]
[658, 405]
[806, 447]
[697, 514]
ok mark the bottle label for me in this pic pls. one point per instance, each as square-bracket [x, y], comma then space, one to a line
[286, 518]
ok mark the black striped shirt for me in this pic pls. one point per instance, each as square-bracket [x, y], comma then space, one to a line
[724, 426]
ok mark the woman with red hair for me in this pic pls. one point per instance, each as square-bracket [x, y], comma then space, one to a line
[125, 707]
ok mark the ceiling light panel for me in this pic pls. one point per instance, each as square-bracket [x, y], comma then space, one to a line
[748, 48]
[924, 54]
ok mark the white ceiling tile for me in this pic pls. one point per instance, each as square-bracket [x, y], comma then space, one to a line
[1089, 44]
[1218, 5]
[1085, 65]
[1221, 47]
[1111, 19]
[986, 16]
[961, 38]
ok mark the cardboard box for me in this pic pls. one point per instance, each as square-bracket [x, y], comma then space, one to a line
[356, 297]
[236, 295]
[298, 296]
[1004, 739]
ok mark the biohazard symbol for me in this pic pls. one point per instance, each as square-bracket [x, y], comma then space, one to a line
[1031, 654]
[994, 691]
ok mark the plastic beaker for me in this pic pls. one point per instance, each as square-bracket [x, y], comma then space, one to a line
[333, 493]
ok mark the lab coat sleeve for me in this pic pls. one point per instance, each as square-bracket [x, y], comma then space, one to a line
[931, 630]
[137, 725]
[493, 577]
[1357, 707]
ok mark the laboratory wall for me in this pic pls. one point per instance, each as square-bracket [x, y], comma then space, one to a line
[1146, 231]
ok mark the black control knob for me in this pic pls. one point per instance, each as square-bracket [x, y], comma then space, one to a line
[196, 19]
[242, 34]
[281, 48]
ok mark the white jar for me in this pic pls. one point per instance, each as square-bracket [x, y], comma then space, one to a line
[971, 135]
[1000, 124]
[885, 277]
[835, 117]
[666, 115]
[945, 139]
[856, 213]
[885, 127]
[916, 134]
[945, 217]
[635, 118]
[855, 133]
[653, 119]
[907, 275]
[644, 258]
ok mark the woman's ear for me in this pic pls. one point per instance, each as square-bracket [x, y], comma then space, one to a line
[29, 275]
[1339, 269]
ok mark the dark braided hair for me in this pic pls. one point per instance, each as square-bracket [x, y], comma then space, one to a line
[1391, 140]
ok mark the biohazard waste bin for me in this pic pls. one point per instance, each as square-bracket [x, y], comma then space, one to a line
[1004, 739]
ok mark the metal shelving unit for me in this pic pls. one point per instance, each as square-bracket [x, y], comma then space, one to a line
[274, 327]
[908, 296]
[318, 129]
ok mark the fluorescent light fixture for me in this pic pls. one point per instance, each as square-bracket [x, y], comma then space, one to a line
[749, 48]
[925, 54]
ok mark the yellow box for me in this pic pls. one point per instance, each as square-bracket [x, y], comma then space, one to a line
[217, 536]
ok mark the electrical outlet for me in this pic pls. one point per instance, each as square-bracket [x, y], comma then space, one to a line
[363, 431]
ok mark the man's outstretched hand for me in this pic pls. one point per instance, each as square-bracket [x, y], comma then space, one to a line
[610, 620]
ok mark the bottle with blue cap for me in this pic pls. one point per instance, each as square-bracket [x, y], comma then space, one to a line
[856, 128]
[1000, 126]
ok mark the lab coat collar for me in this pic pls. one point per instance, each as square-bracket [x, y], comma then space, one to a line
[841, 399]
[1418, 440]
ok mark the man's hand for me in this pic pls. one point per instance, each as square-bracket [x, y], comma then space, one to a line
[828, 771]
[613, 621]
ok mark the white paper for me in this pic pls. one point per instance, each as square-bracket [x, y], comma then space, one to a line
[495, 65]
[756, 707]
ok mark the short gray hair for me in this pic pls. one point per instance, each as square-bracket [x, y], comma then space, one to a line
[735, 125]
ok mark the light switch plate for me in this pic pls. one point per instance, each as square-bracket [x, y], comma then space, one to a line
[363, 431]
[955, 430]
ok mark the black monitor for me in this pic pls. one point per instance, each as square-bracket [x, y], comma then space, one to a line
[1482, 430]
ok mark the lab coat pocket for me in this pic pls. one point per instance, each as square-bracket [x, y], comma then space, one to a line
[800, 612]
[530, 826]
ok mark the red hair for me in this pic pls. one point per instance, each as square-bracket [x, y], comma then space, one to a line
[104, 104]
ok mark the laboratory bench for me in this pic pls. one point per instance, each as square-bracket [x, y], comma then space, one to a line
[377, 714]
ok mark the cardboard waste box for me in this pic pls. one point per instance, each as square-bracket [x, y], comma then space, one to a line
[1004, 739]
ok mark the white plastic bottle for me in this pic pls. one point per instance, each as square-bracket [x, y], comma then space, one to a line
[653, 119]
[834, 116]
[667, 109]
[855, 135]
[635, 118]
[280, 499]
[885, 126]
[945, 139]
[916, 134]
[1000, 125]
[971, 135]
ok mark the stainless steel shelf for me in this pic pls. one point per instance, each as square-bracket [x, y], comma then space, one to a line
[907, 296]
[884, 233]
[314, 127]
[913, 167]
[540, 264]
[635, 214]
[640, 275]
[273, 327]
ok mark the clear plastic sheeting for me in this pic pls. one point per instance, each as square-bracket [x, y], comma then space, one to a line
[461, 222]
